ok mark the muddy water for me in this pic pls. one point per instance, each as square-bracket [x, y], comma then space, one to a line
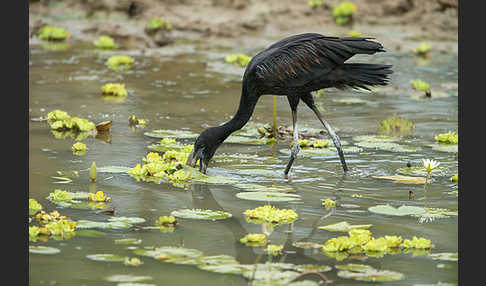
[187, 87]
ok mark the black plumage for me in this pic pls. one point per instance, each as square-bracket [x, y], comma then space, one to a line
[294, 67]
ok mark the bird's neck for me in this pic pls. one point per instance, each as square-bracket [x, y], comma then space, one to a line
[248, 100]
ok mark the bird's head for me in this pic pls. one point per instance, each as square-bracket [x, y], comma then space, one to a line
[204, 148]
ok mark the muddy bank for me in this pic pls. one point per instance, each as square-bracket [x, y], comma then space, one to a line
[398, 24]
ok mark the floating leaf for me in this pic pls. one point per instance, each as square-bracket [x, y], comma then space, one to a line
[127, 278]
[446, 256]
[387, 146]
[344, 226]
[130, 220]
[217, 260]
[400, 211]
[106, 257]
[201, 214]
[376, 138]
[311, 267]
[328, 151]
[354, 267]
[169, 252]
[403, 179]
[452, 148]
[87, 224]
[128, 241]
[105, 42]
[351, 100]
[262, 188]
[43, 249]
[420, 171]
[268, 196]
[270, 214]
[372, 275]
[119, 62]
[222, 268]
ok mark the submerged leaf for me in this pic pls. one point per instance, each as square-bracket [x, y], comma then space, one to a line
[39, 249]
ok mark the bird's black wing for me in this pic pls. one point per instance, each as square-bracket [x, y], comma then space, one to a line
[306, 58]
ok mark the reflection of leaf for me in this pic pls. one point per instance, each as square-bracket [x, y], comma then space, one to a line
[372, 275]
[447, 256]
[344, 226]
[400, 211]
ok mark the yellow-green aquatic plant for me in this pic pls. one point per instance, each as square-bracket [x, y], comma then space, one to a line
[34, 206]
[423, 49]
[254, 239]
[53, 33]
[120, 62]
[157, 23]
[417, 243]
[353, 33]
[343, 13]
[238, 59]
[420, 85]
[396, 125]
[116, 89]
[134, 261]
[270, 214]
[328, 203]
[448, 138]
[78, 147]
[92, 172]
[61, 121]
[60, 196]
[133, 120]
[105, 42]
[166, 221]
[455, 178]
[314, 3]
[99, 196]
[274, 250]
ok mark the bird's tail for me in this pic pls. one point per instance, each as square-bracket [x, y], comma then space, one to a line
[364, 75]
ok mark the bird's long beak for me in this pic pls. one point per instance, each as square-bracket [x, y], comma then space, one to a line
[193, 158]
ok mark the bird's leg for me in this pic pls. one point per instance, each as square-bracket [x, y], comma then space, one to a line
[296, 148]
[337, 142]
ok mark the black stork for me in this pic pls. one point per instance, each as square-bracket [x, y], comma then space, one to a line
[294, 67]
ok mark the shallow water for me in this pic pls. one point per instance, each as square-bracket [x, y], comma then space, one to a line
[189, 87]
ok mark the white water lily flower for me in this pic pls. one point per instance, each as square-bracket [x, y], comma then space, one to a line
[430, 165]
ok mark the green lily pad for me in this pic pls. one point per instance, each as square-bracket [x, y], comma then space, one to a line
[169, 252]
[89, 233]
[134, 284]
[354, 267]
[106, 257]
[344, 226]
[271, 277]
[222, 268]
[87, 224]
[403, 179]
[126, 278]
[387, 146]
[432, 214]
[217, 260]
[130, 220]
[128, 241]
[451, 148]
[39, 249]
[161, 133]
[311, 267]
[372, 275]
[400, 211]
[446, 256]
[201, 214]
[268, 196]
[214, 179]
